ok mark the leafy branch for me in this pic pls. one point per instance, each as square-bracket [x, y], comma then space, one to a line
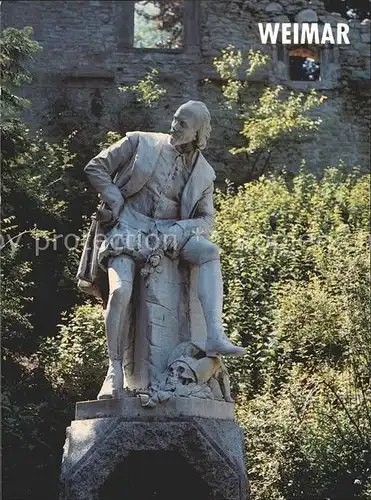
[147, 90]
[277, 116]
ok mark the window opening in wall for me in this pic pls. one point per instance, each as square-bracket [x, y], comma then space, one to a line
[158, 24]
[304, 65]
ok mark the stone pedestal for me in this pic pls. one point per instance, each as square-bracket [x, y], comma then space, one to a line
[186, 448]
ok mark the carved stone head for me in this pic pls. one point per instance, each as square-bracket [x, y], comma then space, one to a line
[191, 122]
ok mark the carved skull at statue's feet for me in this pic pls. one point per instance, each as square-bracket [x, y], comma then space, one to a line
[180, 373]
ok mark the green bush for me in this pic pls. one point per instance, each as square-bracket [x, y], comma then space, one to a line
[75, 360]
[278, 237]
[310, 442]
[297, 280]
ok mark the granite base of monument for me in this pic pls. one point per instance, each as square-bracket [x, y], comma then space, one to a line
[186, 448]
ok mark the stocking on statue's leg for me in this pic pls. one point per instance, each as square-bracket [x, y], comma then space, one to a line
[210, 294]
[121, 276]
[205, 254]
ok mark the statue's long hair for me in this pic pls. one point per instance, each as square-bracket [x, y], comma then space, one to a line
[203, 115]
[204, 131]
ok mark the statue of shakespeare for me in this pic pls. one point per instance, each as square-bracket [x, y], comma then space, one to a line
[157, 194]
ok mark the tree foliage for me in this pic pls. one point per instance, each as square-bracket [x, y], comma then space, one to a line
[275, 117]
[297, 280]
[159, 24]
[147, 91]
[37, 190]
[16, 47]
[38, 197]
[76, 358]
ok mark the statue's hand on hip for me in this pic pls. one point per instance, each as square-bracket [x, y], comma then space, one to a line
[116, 208]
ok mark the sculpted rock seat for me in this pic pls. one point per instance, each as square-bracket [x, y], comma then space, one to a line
[165, 312]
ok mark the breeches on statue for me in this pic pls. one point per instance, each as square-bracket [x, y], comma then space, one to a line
[121, 268]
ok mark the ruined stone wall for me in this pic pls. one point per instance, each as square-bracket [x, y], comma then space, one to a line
[344, 134]
[87, 54]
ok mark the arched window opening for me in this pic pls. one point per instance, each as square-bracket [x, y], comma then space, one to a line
[304, 65]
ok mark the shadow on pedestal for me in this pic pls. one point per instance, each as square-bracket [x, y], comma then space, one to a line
[156, 475]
